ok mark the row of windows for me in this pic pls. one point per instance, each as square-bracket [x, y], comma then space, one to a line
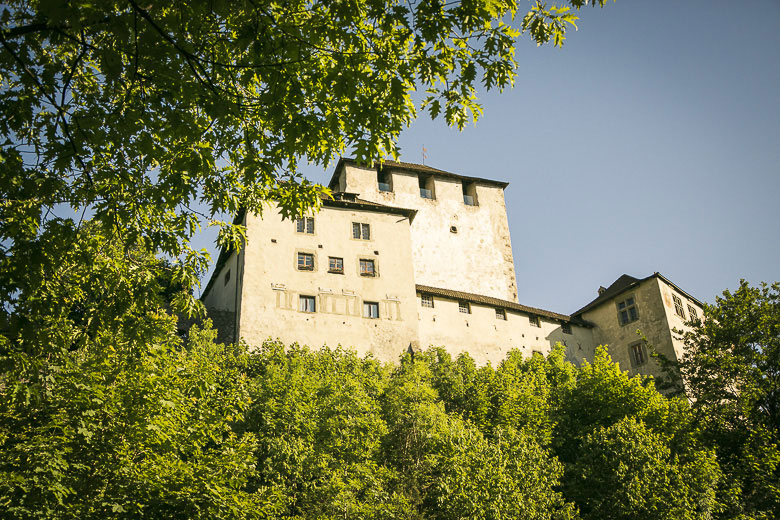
[426, 300]
[629, 312]
[336, 265]
[308, 303]
[427, 187]
[680, 311]
[360, 230]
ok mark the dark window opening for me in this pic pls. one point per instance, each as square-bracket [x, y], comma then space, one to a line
[426, 187]
[470, 193]
[384, 181]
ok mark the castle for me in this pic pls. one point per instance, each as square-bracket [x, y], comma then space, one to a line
[405, 256]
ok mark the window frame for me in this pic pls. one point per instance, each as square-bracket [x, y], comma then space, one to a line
[641, 348]
[464, 307]
[336, 270]
[566, 328]
[627, 308]
[365, 273]
[534, 321]
[370, 305]
[302, 225]
[679, 310]
[500, 313]
[363, 231]
[693, 313]
[304, 254]
[308, 299]
[426, 299]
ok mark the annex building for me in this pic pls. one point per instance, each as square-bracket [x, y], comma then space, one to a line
[405, 256]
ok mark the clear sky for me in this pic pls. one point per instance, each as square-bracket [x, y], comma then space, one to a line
[649, 142]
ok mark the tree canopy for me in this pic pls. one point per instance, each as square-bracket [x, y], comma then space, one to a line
[157, 118]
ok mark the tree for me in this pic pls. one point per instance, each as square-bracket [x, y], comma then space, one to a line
[141, 115]
[731, 372]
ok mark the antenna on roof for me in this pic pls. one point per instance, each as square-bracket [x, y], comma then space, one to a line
[424, 154]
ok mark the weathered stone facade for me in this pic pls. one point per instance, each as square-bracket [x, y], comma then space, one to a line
[406, 256]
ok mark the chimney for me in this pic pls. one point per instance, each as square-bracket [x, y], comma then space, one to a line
[602, 290]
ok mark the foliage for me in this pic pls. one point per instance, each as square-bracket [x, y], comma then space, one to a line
[628, 471]
[731, 370]
[156, 118]
[122, 437]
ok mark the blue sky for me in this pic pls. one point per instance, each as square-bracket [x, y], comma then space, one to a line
[649, 142]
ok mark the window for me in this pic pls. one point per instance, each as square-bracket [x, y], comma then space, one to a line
[384, 181]
[371, 310]
[335, 265]
[470, 193]
[367, 267]
[227, 277]
[627, 311]
[426, 300]
[693, 313]
[426, 186]
[307, 303]
[534, 321]
[638, 354]
[305, 225]
[678, 306]
[566, 328]
[305, 262]
[361, 231]
[500, 314]
[464, 307]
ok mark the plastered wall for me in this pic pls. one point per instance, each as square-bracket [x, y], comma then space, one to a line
[652, 323]
[476, 258]
[272, 284]
[488, 339]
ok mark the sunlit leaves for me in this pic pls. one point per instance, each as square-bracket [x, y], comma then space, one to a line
[148, 116]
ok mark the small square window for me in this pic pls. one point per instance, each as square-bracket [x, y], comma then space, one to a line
[367, 267]
[692, 311]
[371, 310]
[305, 225]
[566, 328]
[305, 262]
[534, 321]
[307, 303]
[638, 354]
[500, 314]
[627, 311]
[426, 300]
[678, 306]
[361, 231]
[335, 265]
[464, 307]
